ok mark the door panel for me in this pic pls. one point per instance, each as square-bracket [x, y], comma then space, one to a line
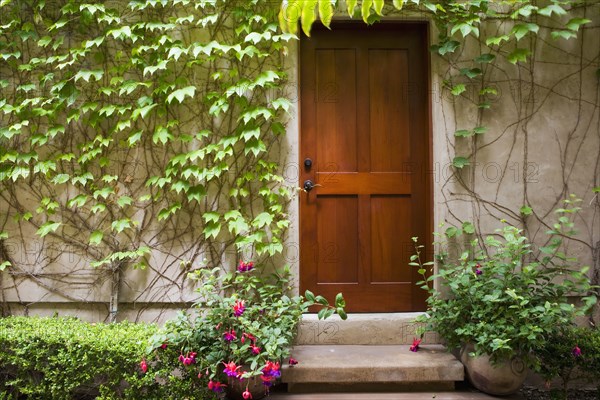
[364, 124]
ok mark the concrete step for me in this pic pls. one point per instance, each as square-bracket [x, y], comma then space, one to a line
[362, 329]
[457, 395]
[354, 368]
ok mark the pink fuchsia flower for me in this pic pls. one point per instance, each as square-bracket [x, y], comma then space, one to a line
[181, 358]
[247, 395]
[245, 266]
[229, 336]
[576, 351]
[163, 346]
[293, 362]
[478, 270]
[415, 345]
[250, 336]
[266, 380]
[239, 308]
[199, 375]
[216, 386]
[231, 369]
[255, 349]
[144, 366]
[272, 370]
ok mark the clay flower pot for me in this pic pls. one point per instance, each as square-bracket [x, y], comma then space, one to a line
[499, 379]
[235, 388]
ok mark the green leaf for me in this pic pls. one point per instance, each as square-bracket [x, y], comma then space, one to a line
[526, 210]
[325, 12]
[263, 219]
[447, 47]
[468, 228]
[342, 314]
[463, 133]
[520, 30]
[460, 162]
[575, 23]
[351, 7]
[181, 94]
[398, 4]
[517, 55]
[308, 15]
[480, 130]
[485, 58]
[96, 237]
[596, 189]
[563, 35]
[451, 231]
[496, 40]
[471, 72]
[121, 224]
[310, 296]
[378, 5]
[48, 227]
[211, 217]
[553, 8]
[5, 265]
[366, 10]
[124, 201]
[458, 89]
[212, 229]
[3, 235]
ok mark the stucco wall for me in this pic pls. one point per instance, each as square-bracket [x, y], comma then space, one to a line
[542, 143]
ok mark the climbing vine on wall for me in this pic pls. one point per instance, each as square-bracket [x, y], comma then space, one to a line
[138, 134]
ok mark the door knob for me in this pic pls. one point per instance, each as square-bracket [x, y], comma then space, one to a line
[308, 185]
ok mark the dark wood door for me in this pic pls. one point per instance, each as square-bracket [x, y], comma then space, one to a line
[364, 126]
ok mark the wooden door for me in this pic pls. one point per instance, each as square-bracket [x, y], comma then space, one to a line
[364, 128]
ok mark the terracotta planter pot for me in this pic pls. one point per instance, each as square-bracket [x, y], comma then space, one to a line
[235, 388]
[500, 379]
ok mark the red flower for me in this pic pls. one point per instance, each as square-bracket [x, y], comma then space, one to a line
[163, 346]
[216, 387]
[255, 349]
[576, 351]
[478, 270]
[239, 308]
[245, 266]
[293, 362]
[249, 336]
[415, 346]
[231, 369]
[247, 395]
[144, 366]
[229, 336]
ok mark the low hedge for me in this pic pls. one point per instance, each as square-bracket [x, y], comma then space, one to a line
[65, 358]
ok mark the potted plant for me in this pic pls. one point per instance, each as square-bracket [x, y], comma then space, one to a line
[498, 301]
[243, 331]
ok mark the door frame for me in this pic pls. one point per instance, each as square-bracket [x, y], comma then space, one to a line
[425, 171]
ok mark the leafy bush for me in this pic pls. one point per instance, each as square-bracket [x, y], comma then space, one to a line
[571, 353]
[65, 358]
[242, 333]
[500, 296]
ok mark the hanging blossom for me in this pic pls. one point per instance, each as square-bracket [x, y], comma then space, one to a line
[229, 336]
[216, 386]
[239, 308]
[270, 373]
[247, 395]
[231, 370]
[293, 362]
[188, 359]
[576, 351]
[144, 366]
[248, 336]
[478, 270]
[415, 345]
[245, 266]
[255, 349]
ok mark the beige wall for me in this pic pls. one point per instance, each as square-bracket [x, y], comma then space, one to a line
[543, 143]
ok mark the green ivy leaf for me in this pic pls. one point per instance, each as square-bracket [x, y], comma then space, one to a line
[366, 10]
[5, 265]
[398, 4]
[485, 58]
[181, 94]
[96, 237]
[563, 35]
[520, 30]
[526, 210]
[463, 133]
[458, 89]
[517, 55]
[480, 130]
[121, 224]
[263, 219]
[48, 227]
[325, 12]
[451, 231]
[468, 228]
[460, 162]
[575, 23]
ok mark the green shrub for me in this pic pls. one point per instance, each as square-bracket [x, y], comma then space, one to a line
[571, 353]
[65, 358]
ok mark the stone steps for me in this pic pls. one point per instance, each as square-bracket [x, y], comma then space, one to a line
[362, 329]
[458, 395]
[371, 367]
